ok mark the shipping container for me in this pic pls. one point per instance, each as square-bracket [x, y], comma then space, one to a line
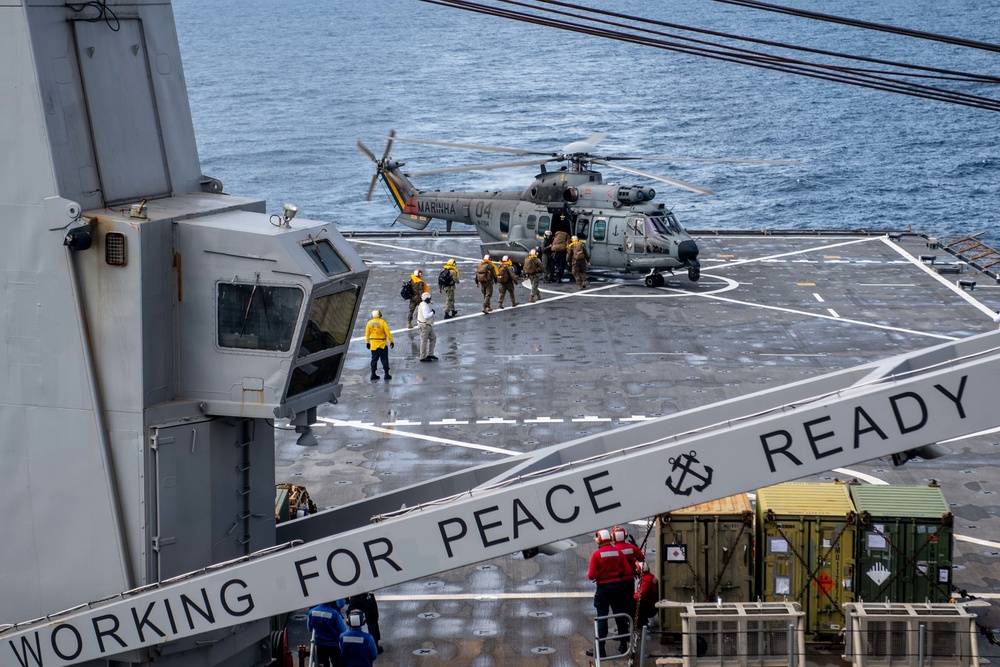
[705, 554]
[806, 544]
[905, 543]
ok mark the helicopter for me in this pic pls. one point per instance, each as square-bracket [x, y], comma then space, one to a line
[623, 228]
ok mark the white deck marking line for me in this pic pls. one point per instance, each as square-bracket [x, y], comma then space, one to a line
[448, 422]
[418, 436]
[795, 252]
[663, 292]
[591, 418]
[496, 420]
[871, 479]
[983, 308]
[635, 418]
[543, 420]
[821, 316]
[833, 312]
[485, 597]
[976, 540]
[416, 250]
[401, 422]
[818, 297]
[523, 304]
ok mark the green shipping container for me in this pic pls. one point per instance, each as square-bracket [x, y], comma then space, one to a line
[905, 544]
[805, 542]
[705, 553]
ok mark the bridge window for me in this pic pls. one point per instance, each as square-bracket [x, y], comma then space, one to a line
[504, 223]
[329, 322]
[257, 317]
[543, 223]
[531, 223]
[326, 257]
[314, 374]
[600, 229]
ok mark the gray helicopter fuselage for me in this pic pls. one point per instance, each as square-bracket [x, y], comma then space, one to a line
[624, 230]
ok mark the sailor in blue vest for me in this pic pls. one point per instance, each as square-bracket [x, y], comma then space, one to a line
[327, 624]
[357, 648]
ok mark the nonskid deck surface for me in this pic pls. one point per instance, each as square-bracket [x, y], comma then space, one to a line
[768, 310]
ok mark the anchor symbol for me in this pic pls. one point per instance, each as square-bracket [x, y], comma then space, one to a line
[684, 463]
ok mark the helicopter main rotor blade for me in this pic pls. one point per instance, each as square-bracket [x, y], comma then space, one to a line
[364, 149]
[388, 145]
[698, 159]
[596, 138]
[371, 187]
[475, 147]
[662, 179]
[479, 167]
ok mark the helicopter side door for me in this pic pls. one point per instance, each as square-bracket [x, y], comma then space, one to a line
[600, 251]
[635, 238]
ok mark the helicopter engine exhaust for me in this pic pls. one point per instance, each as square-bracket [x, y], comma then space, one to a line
[570, 195]
[629, 195]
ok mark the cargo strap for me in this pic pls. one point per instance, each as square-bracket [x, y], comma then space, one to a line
[946, 520]
[850, 520]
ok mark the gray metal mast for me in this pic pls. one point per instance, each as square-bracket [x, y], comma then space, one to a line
[153, 327]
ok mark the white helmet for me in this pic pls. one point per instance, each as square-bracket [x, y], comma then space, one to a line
[486, 256]
[533, 251]
[426, 296]
[575, 238]
[418, 273]
[618, 533]
[376, 313]
[644, 567]
[505, 259]
[603, 536]
[355, 618]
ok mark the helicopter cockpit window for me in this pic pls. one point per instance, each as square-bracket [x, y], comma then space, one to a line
[675, 226]
[582, 228]
[504, 223]
[326, 257]
[600, 229]
[636, 227]
[329, 322]
[657, 226]
[543, 224]
[531, 223]
[257, 317]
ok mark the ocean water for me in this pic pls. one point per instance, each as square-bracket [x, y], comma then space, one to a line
[281, 91]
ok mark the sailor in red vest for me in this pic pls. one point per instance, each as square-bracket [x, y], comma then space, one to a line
[614, 575]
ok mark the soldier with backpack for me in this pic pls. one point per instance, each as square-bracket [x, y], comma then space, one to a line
[507, 277]
[533, 270]
[413, 289]
[486, 277]
[447, 280]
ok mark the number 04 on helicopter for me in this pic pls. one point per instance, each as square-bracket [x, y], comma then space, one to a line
[623, 228]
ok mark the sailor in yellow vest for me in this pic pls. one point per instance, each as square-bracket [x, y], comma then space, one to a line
[486, 277]
[377, 336]
[579, 261]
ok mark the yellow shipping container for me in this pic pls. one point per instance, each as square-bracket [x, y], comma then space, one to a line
[805, 539]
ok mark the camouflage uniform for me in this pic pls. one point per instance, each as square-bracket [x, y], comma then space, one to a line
[486, 276]
[579, 258]
[507, 277]
[449, 291]
[419, 287]
[533, 270]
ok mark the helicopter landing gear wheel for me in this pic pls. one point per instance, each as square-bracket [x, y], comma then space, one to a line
[651, 280]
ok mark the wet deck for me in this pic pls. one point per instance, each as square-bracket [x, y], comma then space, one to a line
[767, 311]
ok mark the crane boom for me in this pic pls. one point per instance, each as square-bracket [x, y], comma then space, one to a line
[919, 403]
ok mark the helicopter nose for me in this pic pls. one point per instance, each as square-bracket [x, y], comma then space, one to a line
[687, 251]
